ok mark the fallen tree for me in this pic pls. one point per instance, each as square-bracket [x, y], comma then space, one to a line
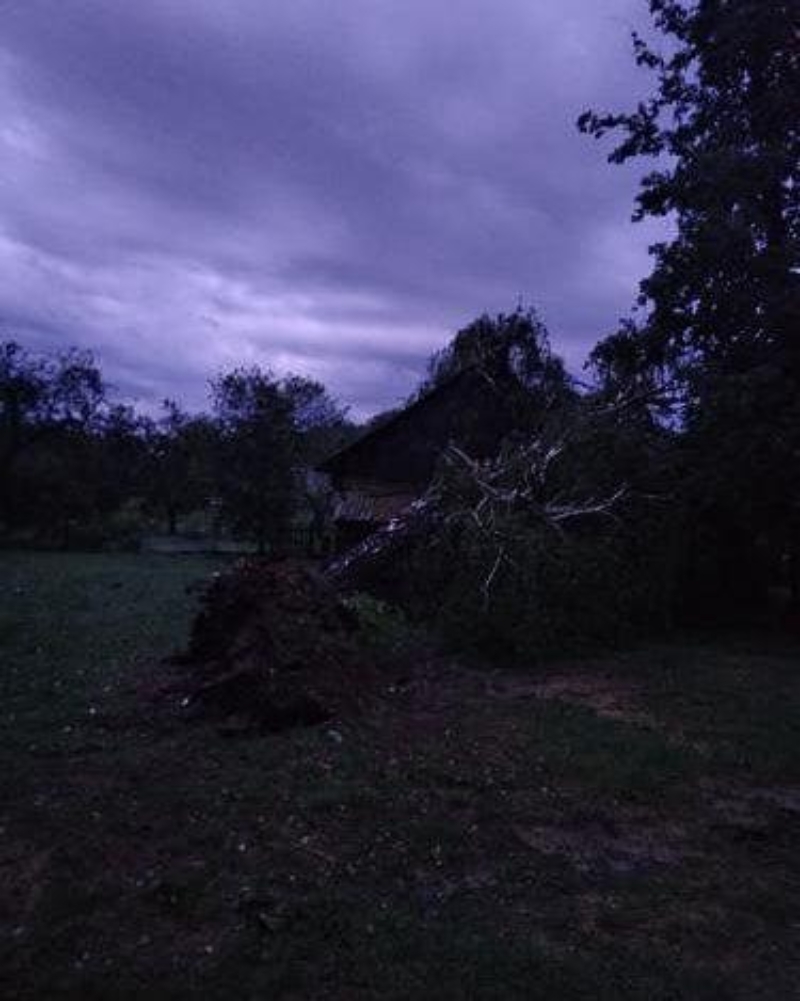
[509, 544]
[530, 484]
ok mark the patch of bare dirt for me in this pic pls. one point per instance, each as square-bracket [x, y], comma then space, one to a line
[754, 814]
[23, 877]
[608, 696]
[610, 844]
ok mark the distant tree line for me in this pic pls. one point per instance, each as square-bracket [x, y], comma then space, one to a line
[78, 468]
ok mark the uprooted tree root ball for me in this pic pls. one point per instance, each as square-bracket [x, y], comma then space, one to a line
[274, 646]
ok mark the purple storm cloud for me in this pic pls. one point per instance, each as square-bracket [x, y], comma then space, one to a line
[325, 188]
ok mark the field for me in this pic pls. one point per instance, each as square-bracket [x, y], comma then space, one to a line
[611, 829]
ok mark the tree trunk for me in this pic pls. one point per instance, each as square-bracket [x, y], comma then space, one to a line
[366, 563]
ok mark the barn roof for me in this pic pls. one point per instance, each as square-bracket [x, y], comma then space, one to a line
[404, 449]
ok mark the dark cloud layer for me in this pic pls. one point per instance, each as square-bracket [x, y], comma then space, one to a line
[328, 188]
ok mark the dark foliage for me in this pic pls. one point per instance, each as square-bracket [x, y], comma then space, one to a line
[65, 453]
[561, 543]
[181, 450]
[78, 469]
[513, 351]
[722, 304]
[269, 431]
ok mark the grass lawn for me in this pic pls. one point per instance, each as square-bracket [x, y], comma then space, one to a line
[624, 828]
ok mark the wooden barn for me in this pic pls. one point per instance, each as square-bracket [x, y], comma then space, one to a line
[382, 472]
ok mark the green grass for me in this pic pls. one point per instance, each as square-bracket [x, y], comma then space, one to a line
[451, 844]
[611, 759]
[741, 700]
[73, 628]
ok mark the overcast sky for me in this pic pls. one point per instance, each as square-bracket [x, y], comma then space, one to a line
[331, 187]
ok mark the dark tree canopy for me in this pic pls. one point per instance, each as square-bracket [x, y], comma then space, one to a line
[268, 430]
[721, 307]
[180, 470]
[724, 124]
[513, 349]
[78, 468]
[52, 410]
[257, 452]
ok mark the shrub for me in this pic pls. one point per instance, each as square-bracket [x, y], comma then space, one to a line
[549, 594]
[383, 627]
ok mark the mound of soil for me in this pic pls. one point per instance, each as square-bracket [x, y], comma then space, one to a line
[273, 644]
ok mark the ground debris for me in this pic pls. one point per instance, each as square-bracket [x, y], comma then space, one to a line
[273, 646]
